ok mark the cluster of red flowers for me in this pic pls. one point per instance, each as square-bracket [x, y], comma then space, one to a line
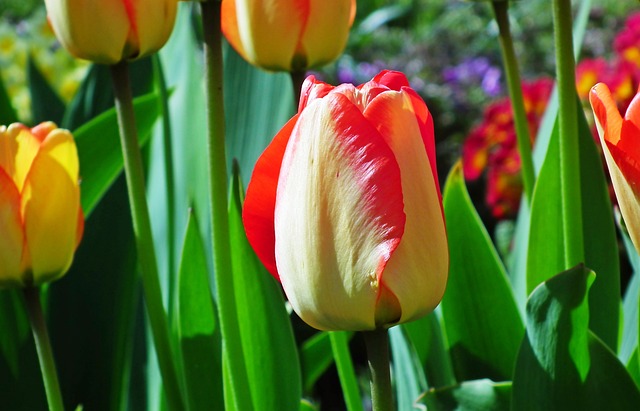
[492, 146]
[622, 73]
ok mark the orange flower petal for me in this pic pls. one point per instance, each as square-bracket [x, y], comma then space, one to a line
[12, 238]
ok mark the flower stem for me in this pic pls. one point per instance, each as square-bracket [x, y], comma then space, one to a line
[142, 229]
[43, 346]
[377, 343]
[232, 348]
[568, 126]
[500, 9]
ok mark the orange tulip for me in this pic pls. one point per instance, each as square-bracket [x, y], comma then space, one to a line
[109, 31]
[344, 206]
[288, 35]
[40, 216]
[620, 140]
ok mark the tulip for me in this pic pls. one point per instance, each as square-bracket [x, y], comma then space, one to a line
[620, 140]
[344, 206]
[109, 31]
[40, 216]
[288, 35]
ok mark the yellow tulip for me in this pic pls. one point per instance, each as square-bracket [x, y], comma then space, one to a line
[40, 216]
[288, 35]
[108, 31]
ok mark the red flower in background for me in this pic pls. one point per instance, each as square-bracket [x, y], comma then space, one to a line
[492, 147]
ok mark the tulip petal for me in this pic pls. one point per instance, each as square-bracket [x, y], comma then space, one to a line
[417, 271]
[312, 89]
[12, 238]
[260, 201]
[620, 145]
[152, 23]
[318, 44]
[50, 203]
[18, 148]
[265, 33]
[101, 40]
[338, 217]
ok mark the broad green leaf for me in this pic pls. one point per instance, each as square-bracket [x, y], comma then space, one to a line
[629, 342]
[428, 341]
[481, 320]
[561, 364]
[7, 112]
[46, 105]
[99, 149]
[268, 344]
[518, 269]
[306, 405]
[476, 395]
[408, 374]
[546, 250]
[198, 332]
[633, 367]
[257, 105]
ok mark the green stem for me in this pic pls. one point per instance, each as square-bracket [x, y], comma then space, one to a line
[500, 9]
[142, 229]
[377, 343]
[568, 125]
[346, 373]
[232, 349]
[43, 346]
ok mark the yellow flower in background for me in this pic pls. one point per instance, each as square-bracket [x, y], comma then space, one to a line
[41, 220]
[288, 35]
[108, 31]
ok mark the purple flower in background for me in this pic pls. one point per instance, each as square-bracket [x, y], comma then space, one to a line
[473, 72]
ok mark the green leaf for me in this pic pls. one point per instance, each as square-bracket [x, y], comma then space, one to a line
[7, 112]
[46, 105]
[268, 344]
[476, 395]
[428, 340]
[346, 371]
[546, 250]
[408, 374]
[561, 365]
[198, 333]
[315, 357]
[306, 405]
[481, 320]
[99, 150]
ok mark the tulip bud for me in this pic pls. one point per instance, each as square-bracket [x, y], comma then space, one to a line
[344, 206]
[620, 142]
[109, 31]
[288, 35]
[40, 216]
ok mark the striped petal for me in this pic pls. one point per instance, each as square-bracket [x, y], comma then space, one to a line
[260, 201]
[338, 218]
[417, 272]
[50, 203]
[620, 140]
[12, 238]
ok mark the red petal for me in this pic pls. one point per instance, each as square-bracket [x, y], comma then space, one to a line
[312, 89]
[260, 202]
[395, 80]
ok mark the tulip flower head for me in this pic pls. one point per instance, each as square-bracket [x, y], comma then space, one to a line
[288, 35]
[620, 140]
[109, 31]
[344, 206]
[40, 216]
